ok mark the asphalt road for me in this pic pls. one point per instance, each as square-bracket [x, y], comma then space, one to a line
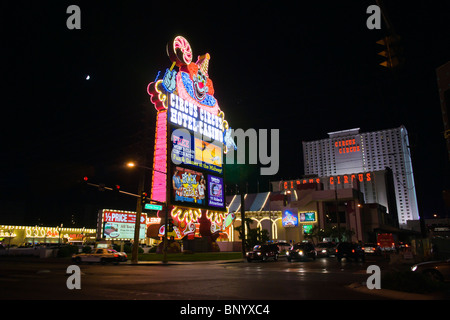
[323, 279]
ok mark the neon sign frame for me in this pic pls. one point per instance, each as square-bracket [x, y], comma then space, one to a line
[183, 90]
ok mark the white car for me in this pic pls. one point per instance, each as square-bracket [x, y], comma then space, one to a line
[437, 270]
[325, 249]
[99, 255]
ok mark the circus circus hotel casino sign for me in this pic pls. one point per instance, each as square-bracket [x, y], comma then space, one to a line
[190, 142]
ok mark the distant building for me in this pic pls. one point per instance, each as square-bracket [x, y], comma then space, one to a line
[13, 235]
[290, 214]
[438, 227]
[351, 153]
[443, 82]
[376, 187]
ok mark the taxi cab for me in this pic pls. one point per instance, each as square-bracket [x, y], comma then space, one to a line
[101, 255]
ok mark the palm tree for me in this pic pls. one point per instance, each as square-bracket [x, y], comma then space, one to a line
[254, 236]
[315, 233]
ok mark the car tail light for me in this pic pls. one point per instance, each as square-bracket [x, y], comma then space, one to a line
[362, 248]
[336, 250]
[353, 250]
[116, 255]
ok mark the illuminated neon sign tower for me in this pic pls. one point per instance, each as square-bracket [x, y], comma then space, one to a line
[189, 145]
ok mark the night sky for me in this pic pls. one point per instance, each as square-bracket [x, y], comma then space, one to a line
[306, 70]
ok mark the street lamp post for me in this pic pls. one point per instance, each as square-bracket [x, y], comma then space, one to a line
[134, 256]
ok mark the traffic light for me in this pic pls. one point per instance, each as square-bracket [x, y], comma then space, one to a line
[116, 189]
[84, 184]
[145, 198]
[393, 51]
[170, 225]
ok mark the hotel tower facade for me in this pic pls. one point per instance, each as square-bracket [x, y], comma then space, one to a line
[351, 152]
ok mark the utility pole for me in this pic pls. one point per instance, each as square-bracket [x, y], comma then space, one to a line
[137, 225]
[242, 209]
[337, 211]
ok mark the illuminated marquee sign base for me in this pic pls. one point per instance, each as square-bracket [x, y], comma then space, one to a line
[195, 223]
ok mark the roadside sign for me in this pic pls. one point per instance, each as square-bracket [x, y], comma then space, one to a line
[152, 206]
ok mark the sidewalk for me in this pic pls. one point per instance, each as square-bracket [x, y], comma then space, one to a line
[396, 295]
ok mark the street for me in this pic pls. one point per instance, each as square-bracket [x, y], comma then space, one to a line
[322, 279]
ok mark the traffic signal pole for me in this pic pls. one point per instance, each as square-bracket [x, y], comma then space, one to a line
[139, 206]
[103, 187]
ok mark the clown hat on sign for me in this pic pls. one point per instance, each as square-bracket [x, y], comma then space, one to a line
[203, 63]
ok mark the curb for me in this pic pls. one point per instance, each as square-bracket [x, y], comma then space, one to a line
[391, 294]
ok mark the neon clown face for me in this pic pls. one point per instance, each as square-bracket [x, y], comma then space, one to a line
[200, 87]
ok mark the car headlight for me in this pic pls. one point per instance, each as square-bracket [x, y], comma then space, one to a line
[287, 253]
[300, 252]
[246, 253]
[324, 251]
[414, 268]
[259, 253]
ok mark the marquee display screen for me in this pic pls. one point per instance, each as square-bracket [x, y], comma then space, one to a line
[190, 149]
[120, 225]
[189, 186]
[289, 218]
[215, 192]
[197, 189]
[307, 216]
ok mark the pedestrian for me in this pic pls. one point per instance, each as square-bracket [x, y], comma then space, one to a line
[435, 252]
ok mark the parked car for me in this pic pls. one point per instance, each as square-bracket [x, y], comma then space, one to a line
[437, 270]
[372, 248]
[301, 250]
[100, 255]
[263, 252]
[350, 250]
[325, 249]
